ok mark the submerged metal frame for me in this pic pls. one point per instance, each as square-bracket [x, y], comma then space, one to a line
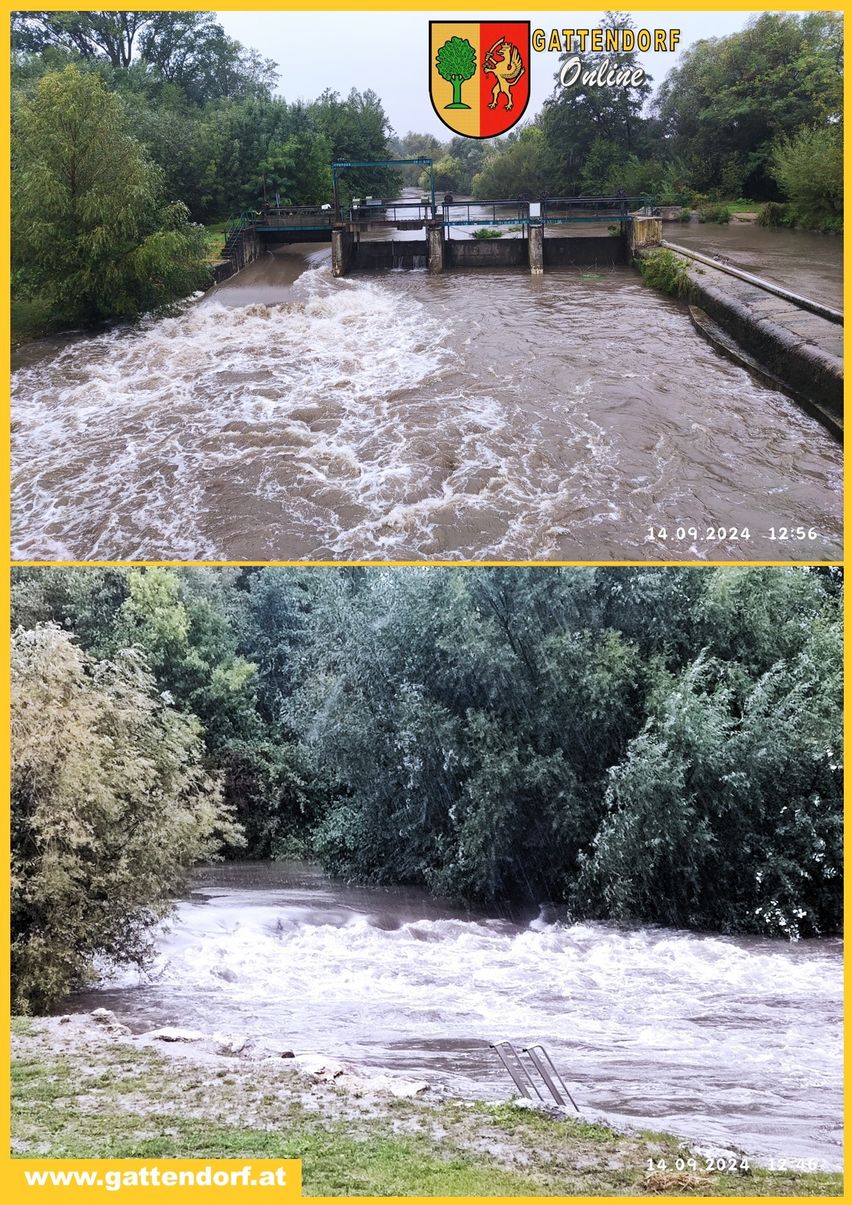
[523, 1080]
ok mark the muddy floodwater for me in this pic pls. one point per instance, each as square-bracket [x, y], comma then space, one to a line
[479, 414]
[808, 264]
[726, 1041]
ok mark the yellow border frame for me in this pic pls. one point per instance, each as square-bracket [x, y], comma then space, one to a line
[177, 1194]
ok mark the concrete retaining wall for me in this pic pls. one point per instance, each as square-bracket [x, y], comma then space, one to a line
[222, 270]
[804, 367]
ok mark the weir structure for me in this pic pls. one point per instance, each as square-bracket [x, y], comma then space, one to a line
[793, 343]
[375, 235]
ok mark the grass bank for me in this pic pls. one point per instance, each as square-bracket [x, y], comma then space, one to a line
[80, 1090]
[214, 235]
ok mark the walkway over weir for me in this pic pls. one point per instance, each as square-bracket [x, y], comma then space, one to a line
[374, 234]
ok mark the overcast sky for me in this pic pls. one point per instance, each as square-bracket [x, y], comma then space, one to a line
[387, 51]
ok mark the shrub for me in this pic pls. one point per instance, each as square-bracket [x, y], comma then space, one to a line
[772, 214]
[685, 215]
[809, 170]
[92, 235]
[485, 232]
[714, 213]
[662, 269]
[111, 805]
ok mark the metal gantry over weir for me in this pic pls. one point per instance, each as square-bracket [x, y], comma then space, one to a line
[287, 223]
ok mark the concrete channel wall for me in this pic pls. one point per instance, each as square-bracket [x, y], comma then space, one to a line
[790, 347]
[243, 250]
[793, 345]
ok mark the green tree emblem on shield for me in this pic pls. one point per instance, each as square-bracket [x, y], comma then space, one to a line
[456, 62]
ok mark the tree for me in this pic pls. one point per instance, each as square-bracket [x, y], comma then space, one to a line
[456, 63]
[356, 127]
[188, 49]
[808, 168]
[111, 808]
[730, 99]
[518, 167]
[91, 232]
[192, 50]
[575, 118]
[109, 35]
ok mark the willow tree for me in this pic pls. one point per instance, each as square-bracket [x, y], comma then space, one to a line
[112, 806]
[91, 233]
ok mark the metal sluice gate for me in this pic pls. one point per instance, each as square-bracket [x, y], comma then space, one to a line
[522, 1073]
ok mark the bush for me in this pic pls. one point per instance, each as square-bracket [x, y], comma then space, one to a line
[91, 233]
[809, 170]
[714, 213]
[685, 215]
[772, 214]
[662, 269]
[110, 807]
[485, 232]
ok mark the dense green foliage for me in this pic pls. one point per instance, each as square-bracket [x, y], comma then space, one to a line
[662, 269]
[809, 169]
[92, 235]
[110, 807]
[754, 114]
[172, 123]
[644, 744]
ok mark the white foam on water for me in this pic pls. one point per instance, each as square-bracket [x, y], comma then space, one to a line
[731, 1040]
[338, 416]
[405, 418]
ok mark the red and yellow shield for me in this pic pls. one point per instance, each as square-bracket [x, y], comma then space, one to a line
[479, 74]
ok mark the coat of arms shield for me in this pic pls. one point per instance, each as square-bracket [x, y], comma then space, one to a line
[479, 75]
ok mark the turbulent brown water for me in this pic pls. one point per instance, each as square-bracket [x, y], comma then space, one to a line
[731, 1042]
[483, 414]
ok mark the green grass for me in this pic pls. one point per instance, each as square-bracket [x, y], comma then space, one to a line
[215, 237]
[741, 206]
[113, 1099]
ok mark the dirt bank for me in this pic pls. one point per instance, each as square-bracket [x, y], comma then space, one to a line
[85, 1087]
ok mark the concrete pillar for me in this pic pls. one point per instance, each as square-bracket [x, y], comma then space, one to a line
[643, 232]
[435, 246]
[341, 251]
[536, 249]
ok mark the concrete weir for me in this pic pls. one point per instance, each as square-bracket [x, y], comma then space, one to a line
[535, 251]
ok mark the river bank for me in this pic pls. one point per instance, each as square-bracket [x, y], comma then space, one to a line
[84, 1086]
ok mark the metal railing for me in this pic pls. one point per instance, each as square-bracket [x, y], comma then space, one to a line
[234, 246]
[296, 217]
[490, 213]
[238, 224]
[522, 1073]
[557, 211]
[389, 212]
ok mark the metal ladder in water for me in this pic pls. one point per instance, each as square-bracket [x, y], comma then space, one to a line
[522, 1077]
